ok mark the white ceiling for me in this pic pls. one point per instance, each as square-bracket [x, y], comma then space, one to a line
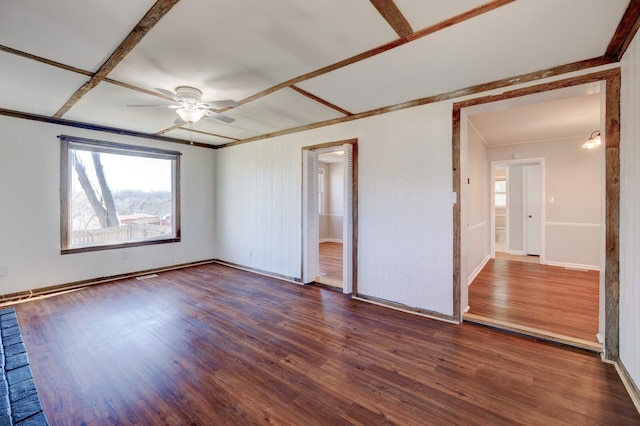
[540, 121]
[239, 49]
[332, 157]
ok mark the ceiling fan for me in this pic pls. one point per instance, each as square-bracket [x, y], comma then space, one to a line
[190, 107]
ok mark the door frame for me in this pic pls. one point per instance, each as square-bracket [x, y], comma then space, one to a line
[354, 209]
[611, 80]
[492, 229]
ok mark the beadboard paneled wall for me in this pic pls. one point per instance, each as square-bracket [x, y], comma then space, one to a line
[404, 214]
[630, 212]
[258, 199]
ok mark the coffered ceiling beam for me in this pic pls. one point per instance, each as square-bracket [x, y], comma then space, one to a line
[625, 32]
[148, 21]
[394, 17]
[320, 100]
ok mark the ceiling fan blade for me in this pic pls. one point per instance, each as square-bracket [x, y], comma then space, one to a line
[225, 103]
[169, 93]
[221, 117]
[152, 106]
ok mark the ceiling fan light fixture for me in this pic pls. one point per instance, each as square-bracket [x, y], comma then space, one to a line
[190, 114]
[594, 140]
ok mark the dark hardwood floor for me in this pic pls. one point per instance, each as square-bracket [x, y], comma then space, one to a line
[549, 298]
[211, 345]
[330, 264]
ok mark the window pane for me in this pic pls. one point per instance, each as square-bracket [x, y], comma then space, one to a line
[118, 197]
[501, 186]
[501, 200]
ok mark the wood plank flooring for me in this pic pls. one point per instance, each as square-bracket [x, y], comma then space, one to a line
[330, 264]
[518, 257]
[211, 345]
[549, 298]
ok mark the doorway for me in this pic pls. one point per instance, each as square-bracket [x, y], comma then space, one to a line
[545, 299]
[516, 201]
[330, 215]
[607, 83]
[331, 200]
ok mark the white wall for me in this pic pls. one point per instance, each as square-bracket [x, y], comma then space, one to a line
[336, 200]
[477, 202]
[404, 216]
[336, 188]
[630, 212]
[573, 179]
[330, 222]
[258, 199]
[323, 217]
[30, 211]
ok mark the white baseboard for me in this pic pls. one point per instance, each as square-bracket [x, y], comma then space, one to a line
[629, 384]
[330, 240]
[571, 265]
[475, 273]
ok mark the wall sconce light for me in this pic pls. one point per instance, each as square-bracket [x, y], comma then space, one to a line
[594, 140]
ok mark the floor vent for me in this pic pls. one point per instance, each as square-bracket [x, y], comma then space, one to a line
[146, 277]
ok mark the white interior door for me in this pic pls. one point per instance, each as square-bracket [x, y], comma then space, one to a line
[310, 248]
[347, 222]
[532, 209]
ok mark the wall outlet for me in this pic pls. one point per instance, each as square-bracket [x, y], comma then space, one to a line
[3, 271]
[125, 254]
[250, 253]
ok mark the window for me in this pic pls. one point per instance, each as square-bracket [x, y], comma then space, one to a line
[115, 195]
[500, 190]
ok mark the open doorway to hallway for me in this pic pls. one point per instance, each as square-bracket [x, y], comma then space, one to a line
[331, 217]
[546, 208]
[330, 206]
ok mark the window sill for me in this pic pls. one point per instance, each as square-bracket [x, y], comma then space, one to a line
[119, 245]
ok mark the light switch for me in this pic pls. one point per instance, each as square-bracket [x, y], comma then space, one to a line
[552, 200]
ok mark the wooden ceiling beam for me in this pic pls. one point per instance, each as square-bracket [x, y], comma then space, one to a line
[178, 126]
[487, 7]
[148, 21]
[79, 71]
[625, 32]
[97, 128]
[320, 100]
[168, 129]
[42, 60]
[394, 17]
[472, 90]
[200, 132]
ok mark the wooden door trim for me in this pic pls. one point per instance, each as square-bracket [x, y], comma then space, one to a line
[612, 80]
